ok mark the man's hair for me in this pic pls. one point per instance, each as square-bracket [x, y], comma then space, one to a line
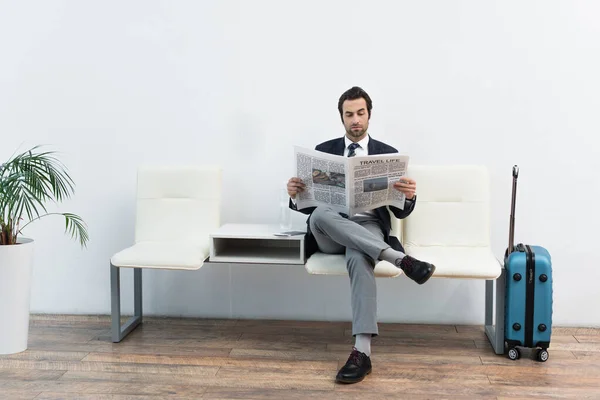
[353, 94]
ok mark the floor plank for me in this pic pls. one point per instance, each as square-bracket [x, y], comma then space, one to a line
[210, 361]
[587, 338]
[586, 355]
[18, 395]
[266, 379]
[98, 396]
[29, 374]
[40, 355]
[175, 369]
[83, 387]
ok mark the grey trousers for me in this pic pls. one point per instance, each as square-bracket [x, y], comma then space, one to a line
[361, 238]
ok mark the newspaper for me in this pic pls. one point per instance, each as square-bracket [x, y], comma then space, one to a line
[350, 185]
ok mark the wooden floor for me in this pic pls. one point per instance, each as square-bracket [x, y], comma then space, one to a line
[72, 357]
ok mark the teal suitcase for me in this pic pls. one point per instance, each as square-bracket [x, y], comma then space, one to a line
[528, 302]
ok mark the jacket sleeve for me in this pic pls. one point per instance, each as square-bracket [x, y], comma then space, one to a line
[306, 211]
[409, 206]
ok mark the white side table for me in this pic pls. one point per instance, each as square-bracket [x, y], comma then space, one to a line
[255, 244]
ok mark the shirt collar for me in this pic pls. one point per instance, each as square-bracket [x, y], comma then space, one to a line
[364, 142]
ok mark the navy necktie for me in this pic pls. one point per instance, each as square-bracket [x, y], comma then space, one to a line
[352, 149]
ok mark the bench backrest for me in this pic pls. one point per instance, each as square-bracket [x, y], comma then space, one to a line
[177, 203]
[453, 206]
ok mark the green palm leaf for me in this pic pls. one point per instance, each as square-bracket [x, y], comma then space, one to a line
[28, 181]
[76, 227]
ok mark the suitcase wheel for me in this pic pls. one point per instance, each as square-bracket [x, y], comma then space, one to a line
[514, 353]
[542, 355]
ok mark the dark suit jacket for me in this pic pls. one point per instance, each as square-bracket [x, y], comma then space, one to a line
[337, 147]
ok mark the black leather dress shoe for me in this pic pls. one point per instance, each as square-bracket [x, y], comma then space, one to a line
[418, 271]
[357, 367]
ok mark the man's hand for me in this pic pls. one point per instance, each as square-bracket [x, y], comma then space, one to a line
[405, 185]
[294, 187]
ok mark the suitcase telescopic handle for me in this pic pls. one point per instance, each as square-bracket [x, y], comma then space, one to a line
[511, 233]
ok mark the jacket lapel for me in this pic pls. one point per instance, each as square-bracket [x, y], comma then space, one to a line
[373, 147]
[339, 147]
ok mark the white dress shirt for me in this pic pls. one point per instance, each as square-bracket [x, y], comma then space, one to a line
[363, 150]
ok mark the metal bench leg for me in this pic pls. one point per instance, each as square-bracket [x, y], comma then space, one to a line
[495, 329]
[118, 332]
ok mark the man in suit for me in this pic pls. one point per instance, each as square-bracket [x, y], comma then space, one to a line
[365, 237]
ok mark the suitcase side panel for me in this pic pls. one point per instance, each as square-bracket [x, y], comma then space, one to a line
[542, 314]
[515, 297]
[541, 251]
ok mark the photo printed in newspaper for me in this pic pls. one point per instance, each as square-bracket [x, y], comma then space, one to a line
[325, 179]
[349, 185]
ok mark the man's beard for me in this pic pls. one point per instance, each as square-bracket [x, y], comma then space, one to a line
[356, 134]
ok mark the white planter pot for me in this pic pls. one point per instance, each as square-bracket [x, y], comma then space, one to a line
[16, 262]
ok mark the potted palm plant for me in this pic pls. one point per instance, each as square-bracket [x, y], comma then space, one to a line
[28, 181]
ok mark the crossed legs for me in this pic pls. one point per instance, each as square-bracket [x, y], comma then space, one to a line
[361, 239]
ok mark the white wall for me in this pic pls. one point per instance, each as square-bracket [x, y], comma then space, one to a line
[115, 84]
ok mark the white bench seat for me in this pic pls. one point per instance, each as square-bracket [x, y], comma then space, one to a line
[450, 262]
[335, 264]
[161, 255]
[458, 262]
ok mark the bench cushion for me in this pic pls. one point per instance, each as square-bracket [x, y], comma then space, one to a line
[162, 255]
[335, 264]
[458, 261]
